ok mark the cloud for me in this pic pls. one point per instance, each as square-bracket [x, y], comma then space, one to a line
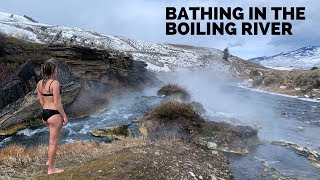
[145, 20]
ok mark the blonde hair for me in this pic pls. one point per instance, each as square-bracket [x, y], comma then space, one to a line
[47, 71]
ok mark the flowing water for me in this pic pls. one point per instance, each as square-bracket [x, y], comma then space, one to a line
[276, 117]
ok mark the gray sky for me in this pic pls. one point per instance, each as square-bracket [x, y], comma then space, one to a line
[145, 20]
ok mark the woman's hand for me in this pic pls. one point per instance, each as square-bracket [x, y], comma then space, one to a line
[65, 120]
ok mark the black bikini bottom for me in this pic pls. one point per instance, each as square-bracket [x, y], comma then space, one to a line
[47, 113]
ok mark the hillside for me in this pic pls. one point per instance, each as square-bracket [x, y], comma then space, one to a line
[303, 58]
[158, 56]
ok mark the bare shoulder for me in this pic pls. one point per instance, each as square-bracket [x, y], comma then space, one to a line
[55, 83]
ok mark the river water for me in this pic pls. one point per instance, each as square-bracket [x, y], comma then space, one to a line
[276, 118]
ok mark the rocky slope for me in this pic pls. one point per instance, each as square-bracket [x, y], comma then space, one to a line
[303, 58]
[158, 56]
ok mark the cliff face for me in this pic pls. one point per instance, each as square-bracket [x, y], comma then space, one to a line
[101, 65]
[88, 76]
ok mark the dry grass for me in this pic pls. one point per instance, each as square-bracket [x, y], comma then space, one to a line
[306, 79]
[21, 162]
[174, 90]
[172, 116]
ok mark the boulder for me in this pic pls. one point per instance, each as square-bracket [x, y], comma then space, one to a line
[117, 132]
[228, 138]
[18, 85]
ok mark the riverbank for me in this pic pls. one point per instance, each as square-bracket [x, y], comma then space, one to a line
[300, 83]
[127, 159]
[276, 91]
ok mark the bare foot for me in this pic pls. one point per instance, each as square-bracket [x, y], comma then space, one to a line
[55, 171]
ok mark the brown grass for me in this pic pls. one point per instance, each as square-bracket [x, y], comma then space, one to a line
[306, 79]
[174, 115]
[21, 162]
[174, 90]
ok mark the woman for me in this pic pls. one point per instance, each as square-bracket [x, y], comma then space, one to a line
[53, 115]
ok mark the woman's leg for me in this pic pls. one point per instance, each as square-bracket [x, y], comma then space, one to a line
[47, 124]
[55, 126]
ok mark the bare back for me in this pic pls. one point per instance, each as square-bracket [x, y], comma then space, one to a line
[46, 93]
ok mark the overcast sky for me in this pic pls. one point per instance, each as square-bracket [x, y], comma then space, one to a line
[145, 20]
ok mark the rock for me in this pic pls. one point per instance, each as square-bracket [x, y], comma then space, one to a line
[297, 89]
[228, 138]
[56, 37]
[213, 177]
[214, 152]
[301, 128]
[64, 74]
[212, 145]
[283, 87]
[117, 132]
[30, 19]
[192, 174]
[18, 85]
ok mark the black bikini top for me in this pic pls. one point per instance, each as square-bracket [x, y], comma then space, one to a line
[50, 94]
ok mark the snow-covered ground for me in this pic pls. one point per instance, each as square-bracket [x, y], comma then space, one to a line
[303, 58]
[158, 56]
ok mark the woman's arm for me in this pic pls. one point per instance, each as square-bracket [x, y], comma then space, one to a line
[39, 94]
[57, 101]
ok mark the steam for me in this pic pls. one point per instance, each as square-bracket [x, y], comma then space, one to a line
[216, 92]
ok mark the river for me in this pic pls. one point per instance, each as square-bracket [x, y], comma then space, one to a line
[276, 118]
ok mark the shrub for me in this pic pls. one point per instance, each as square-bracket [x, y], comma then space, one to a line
[257, 81]
[314, 68]
[174, 90]
[176, 117]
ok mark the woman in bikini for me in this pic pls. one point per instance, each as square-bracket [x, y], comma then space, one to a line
[53, 115]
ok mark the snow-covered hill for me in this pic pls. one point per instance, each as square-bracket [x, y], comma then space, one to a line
[158, 56]
[303, 58]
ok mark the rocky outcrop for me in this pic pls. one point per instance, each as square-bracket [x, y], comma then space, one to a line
[30, 19]
[18, 85]
[228, 138]
[108, 67]
[117, 132]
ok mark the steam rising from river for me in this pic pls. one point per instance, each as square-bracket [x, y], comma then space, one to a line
[214, 91]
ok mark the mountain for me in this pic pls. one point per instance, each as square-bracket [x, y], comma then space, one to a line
[303, 58]
[158, 56]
